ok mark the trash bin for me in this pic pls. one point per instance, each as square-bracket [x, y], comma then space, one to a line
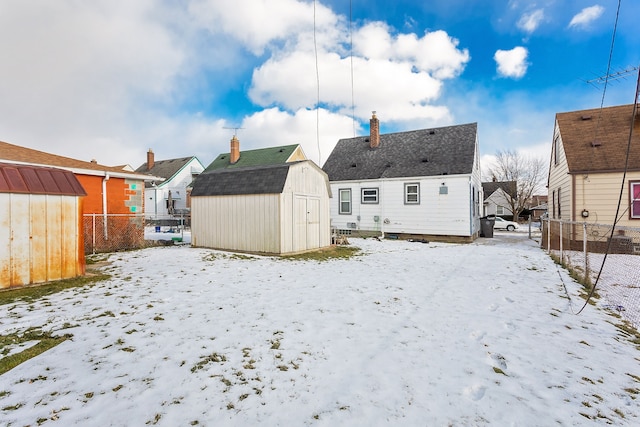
[486, 225]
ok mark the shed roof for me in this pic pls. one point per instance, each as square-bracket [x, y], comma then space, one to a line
[596, 140]
[266, 179]
[427, 152]
[258, 157]
[38, 180]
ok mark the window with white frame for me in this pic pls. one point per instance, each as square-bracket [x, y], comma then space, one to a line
[634, 196]
[499, 210]
[344, 200]
[369, 195]
[412, 193]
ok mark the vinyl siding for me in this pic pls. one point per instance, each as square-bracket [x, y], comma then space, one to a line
[559, 178]
[599, 193]
[437, 214]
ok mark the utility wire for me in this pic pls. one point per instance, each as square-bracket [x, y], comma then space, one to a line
[315, 48]
[353, 104]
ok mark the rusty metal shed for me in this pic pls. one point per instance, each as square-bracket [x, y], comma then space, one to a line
[40, 225]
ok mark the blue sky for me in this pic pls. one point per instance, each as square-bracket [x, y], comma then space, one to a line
[109, 79]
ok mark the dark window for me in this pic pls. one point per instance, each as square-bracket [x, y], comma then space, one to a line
[369, 195]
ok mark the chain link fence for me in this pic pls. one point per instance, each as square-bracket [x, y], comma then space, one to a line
[113, 232]
[582, 247]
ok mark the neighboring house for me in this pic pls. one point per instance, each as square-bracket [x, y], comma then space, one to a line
[114, 197]
[422, 183]
[166, 199]
[497, 196]
[41, 232]
[537, 206]
[588, 163]
[271, 201]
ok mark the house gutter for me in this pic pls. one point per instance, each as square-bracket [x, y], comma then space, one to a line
[104, 205]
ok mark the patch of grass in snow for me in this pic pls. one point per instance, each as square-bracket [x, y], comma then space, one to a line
[45, 340]
[204, 361]
[327, 254]
[35, 292]
[630, 333]
[155, 420]
[633, 392]
[619, 413]
[499, 371]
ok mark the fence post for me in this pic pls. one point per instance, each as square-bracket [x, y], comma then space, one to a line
[548, 235]
[561, 254]
[93, 234]
[584, 249]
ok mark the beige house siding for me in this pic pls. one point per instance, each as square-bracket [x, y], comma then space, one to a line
[598, 193]
[559, 179]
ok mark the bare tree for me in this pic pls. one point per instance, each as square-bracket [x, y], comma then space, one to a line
[527, 172]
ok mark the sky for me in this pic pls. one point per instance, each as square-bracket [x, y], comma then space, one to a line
[111, 79]
[470, 334]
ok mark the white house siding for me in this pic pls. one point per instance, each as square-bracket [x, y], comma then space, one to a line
[559, 178]
[42, 237]
[155, 205]
[246, 223]
[436, 214]
[598, 193]
[498, 198]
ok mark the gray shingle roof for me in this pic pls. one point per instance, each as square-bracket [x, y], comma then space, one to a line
[427, 152]
[164, 168]
[267, 179]
[491, 187]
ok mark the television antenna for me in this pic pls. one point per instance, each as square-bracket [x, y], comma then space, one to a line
[618, 75]
[235, 129]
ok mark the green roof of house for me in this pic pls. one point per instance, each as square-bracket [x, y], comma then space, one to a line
[250, 158]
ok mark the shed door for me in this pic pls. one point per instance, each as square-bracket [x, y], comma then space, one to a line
[306, 212]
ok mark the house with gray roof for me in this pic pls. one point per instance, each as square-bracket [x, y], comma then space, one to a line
[422, 184]
[165, 199]
[497, 198]
[269, 201]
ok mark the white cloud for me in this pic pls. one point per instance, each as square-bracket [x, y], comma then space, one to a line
[512, 63]
[109, 79]
[529, 22]
[586, 16]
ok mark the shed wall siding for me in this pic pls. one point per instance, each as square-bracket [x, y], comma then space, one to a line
[248, 223]
[437, 214]
[43, 238]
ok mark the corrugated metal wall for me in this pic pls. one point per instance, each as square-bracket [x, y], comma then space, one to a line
[43, 238]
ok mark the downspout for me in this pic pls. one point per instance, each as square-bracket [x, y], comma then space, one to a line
[104, 205]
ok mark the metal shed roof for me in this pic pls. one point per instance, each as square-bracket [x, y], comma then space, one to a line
[28, 179]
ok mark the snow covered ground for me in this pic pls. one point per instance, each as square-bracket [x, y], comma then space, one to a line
[407, 334]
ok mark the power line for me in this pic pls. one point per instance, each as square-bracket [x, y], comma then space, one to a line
[315, 48]
[353, 104]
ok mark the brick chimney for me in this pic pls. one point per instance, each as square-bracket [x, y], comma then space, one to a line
[150, 159]
[374, 131]
[235, 150]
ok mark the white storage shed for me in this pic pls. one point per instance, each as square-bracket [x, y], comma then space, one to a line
[271, 209]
